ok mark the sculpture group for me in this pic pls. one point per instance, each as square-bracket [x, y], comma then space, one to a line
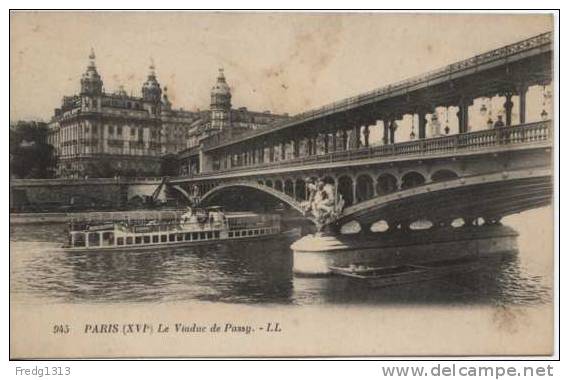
[324, 202]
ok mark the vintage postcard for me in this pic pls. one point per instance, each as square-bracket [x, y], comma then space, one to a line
[281, 184]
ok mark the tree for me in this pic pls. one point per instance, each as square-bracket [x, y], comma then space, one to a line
[30, 155]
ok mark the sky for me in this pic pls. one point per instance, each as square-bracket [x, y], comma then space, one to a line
[282, 62]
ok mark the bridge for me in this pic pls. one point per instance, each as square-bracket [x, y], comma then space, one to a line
[486, 172]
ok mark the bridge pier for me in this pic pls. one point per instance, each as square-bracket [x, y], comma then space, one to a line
[314, 254]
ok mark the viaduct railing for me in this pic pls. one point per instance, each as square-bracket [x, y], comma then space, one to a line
[524, 134]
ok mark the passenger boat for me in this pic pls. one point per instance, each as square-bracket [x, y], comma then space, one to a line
[407, 273]
[197, 226]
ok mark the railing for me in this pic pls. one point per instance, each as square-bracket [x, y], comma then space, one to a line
[524, 134]
[544, 39]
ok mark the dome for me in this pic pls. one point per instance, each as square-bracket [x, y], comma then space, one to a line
[221, 93]
[221, 87]
[151, 88]
[91, 82]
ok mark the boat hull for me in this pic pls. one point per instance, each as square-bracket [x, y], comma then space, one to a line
[315, 254]
[290, 234]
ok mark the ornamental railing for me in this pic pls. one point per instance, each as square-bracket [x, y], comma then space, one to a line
[524, 134]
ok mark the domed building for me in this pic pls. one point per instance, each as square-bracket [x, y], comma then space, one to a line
[220, 103]
[220, 121]
[106, 134]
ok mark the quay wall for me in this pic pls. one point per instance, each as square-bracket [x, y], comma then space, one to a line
[100, 216]
[76, 195]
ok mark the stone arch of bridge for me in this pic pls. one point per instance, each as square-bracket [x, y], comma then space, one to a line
[512, 191]
[294, 204]
[182, 191]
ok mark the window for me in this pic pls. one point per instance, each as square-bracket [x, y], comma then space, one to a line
[256, 232]
[230, 234]
[194, 236]
[172, 237]
[120, 241]
[147, 240]
[94, 239]
[188, 236]
[132, 131]
[237, 233]
[119, 131]
[179, 237]
[210, 235]
[94, 129]
[250, 232]
[155, 238]
[163, 238]
[111, 130]
[216, 234]
[129, 240]
[202, 235]
[79, 240]
[138, 240]
[108, 238]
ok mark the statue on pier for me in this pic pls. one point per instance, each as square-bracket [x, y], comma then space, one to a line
[323, 202]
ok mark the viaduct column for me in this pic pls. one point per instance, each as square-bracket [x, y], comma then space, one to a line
[392, 128]
[366, 135]
[422, 113]
[522, 90]
[344, 139]
[356, 133]
[385, 131]
[334, 142]
[508, 105]
[463, 114]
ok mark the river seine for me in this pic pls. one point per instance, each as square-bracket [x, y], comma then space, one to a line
[260, 273]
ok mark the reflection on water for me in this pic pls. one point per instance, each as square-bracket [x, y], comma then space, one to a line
[256, 272]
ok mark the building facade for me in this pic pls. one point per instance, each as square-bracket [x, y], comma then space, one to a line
[102, 134]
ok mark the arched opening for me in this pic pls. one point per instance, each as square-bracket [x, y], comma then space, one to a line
[379, 226]
[458, 222]
[386, 183]
[443, 175]
[289, 188]
[364, 188]
[240, 198]
[421, 225]
[412, 179]
[300, 189]
[269, 183]
[346, 188]
[352, 227]
[329, 180]
[261, 182]
[278, 185]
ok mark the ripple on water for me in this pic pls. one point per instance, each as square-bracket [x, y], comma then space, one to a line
[257, 272]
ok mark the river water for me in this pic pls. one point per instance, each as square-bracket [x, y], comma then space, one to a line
[260, 273]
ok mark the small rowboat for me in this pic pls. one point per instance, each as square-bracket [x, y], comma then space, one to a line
[407, 273]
